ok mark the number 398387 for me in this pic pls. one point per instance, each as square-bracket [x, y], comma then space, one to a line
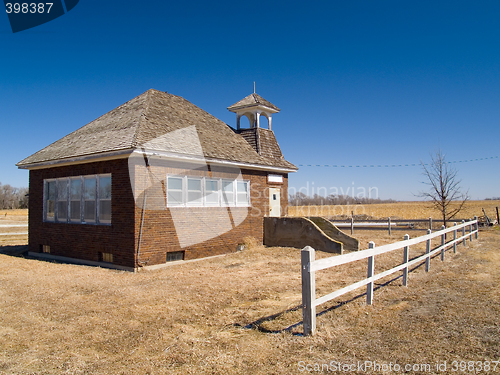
[28, 7]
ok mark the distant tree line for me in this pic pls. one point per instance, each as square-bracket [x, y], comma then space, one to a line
[300, 199]
[493, 199]
[12, 197]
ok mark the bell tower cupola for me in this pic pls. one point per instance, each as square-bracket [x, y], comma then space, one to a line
[253, 106]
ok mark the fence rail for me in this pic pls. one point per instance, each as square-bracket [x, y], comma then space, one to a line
[309, 266]
[390, 224]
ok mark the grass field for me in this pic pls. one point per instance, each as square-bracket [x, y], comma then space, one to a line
[239, 314]
[398, 210]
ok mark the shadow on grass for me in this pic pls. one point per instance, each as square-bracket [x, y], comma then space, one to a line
[258, 324]
[15, 250]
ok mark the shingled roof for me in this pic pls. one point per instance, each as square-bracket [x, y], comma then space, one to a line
[251, 101]
[149, 116]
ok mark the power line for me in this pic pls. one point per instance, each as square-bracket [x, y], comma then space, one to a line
[391, 165]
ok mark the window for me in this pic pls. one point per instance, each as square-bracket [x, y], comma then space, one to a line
[75, 199]
[84, 199]
[207, 192]
[174, 191]
[62, 200]
[211, 192]
[50, 200]
[176, 255]
[194, 195]
[105, 199]
[89, 198]
[227, 193]
[242, 193]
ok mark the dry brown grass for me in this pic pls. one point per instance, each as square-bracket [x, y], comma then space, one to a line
[192, 318]
[403, 210]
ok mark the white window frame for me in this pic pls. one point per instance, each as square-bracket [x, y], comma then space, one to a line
[194, 203]
[206, 203]
[246, 193]
[85, 220]
[99, 199]
[79, 200]
[223, 194]
[182, 190]
[67, 181]
[45, 199]
[220, 193]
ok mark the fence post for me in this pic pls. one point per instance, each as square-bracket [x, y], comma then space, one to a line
[463, 232]
[430, 223]
[476, 226]
[427, 251]
[406, 258]
[454, 238]
[352, 224]
[470, 230]
[389, 223]
[371, 271]
[308, 291]
[443, 240]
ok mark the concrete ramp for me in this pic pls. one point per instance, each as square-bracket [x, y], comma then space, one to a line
[298, 232]
[350, 243]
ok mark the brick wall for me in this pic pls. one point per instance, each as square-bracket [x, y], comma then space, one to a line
[139, 237]
[199, 231]
[85, 241]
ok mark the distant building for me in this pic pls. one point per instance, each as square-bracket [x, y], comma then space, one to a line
[155, 180]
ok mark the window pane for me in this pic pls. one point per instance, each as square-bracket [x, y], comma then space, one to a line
[105, 187]
[242, 187]
[174, 183]
[50, 199]
[62, 199]
[242, 198]
[211, 185]
[228, 198]
[75, 210]
[212, 199]
[194, 184]
[227, 186]
[194, 197]
[51, 209]
[174, 198]
[75, 195]
[62, 210]
[62, 189]
[212, 192]
[51, 190]
[89, 211]
[105, 211]
[228, 193]
[75, 189]
[89, 189]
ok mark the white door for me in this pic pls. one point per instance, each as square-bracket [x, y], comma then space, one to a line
[274, 202]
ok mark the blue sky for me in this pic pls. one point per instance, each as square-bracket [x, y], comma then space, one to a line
[358, 82]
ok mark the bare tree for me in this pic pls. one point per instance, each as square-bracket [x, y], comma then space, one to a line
[444, 187]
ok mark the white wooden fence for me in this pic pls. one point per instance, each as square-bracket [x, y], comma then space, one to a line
[310, 266]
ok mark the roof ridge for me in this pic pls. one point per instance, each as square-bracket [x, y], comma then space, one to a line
[142, 117]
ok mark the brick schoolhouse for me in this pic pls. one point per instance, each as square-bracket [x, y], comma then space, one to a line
[156, 180]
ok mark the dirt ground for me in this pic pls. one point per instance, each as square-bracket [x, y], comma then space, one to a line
[240, 314]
